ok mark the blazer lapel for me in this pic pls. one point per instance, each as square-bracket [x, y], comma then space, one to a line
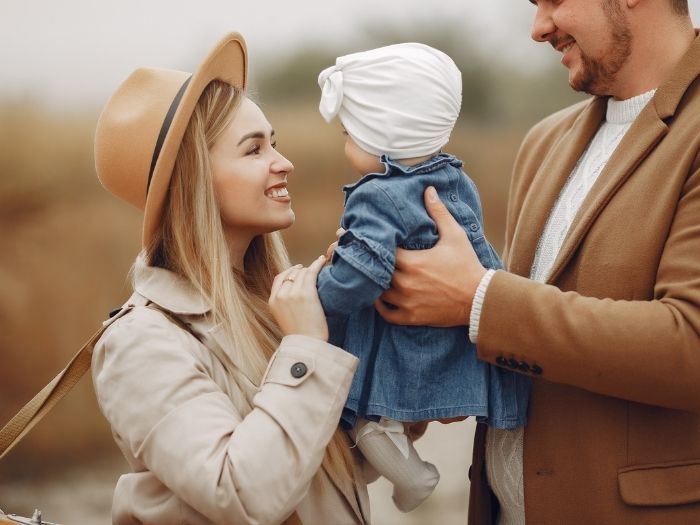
[645, 133]
[647, 130]
[547, 183]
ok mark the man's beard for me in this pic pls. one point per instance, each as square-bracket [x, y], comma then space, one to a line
[598, 75]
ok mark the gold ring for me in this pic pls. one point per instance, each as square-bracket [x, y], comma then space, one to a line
[290, 279]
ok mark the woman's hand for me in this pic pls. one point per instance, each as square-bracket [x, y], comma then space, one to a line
[434, 287]
[294, 301]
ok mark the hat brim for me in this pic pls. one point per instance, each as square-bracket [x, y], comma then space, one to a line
[228, 62]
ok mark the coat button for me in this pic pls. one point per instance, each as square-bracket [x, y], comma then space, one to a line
[501, 361]
[523, 366]
[536, 369]
[513, 364]
[298, 370]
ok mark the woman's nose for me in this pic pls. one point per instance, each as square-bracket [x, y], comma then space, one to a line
[282, 164]
[543, 26]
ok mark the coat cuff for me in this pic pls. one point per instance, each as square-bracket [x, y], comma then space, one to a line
[300, 356]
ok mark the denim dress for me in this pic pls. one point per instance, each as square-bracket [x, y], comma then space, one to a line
[410, 373]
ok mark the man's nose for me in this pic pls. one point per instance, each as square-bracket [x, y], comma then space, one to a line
[543, 25]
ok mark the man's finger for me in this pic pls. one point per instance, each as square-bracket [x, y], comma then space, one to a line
[390, 315]
[447, 226]
[405, 259]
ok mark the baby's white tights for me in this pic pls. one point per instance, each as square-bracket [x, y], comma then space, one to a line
[385, 445]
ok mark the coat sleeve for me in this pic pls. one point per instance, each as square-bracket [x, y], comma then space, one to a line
[364, 260]
[646, 351]
[174, 419]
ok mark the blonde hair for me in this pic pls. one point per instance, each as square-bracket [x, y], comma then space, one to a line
[190, 242]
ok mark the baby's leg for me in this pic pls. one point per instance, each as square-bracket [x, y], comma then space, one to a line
[392, 454]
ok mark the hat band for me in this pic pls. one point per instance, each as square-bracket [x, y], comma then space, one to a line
[165, 128]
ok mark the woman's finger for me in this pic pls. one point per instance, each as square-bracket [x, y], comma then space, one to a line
[314, 268]
[280, 279]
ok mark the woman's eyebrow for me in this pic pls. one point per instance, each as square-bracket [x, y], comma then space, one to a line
[255, 135]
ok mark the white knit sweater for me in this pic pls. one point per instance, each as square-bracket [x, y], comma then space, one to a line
[504, 448]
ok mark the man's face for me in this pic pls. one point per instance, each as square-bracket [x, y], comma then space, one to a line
[593, 36]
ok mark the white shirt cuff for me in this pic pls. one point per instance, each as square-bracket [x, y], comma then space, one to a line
[477, 304]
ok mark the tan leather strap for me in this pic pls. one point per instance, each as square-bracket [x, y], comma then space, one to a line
[31, 413]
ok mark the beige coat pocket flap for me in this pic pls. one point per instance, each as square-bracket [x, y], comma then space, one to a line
[675, 483]
[289, 370]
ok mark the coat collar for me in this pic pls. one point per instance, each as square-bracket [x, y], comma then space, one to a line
[167, 289]
[645, 133]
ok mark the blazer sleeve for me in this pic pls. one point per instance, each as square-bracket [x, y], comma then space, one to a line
[363, 261]
[232, 468]
[646, 351]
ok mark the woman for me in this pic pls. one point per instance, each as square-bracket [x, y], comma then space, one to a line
[225, 407]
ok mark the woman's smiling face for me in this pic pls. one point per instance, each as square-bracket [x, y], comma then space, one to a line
[250, 175]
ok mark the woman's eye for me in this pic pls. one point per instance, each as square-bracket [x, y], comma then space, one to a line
[254, 150]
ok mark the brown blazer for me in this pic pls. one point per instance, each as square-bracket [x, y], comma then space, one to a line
[614, 422]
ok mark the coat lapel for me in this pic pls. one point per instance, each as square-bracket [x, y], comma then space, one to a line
[547, 184]
[644, 134]
[646, 131]
[347, 488]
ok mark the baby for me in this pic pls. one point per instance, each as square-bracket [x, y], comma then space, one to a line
[398, 105]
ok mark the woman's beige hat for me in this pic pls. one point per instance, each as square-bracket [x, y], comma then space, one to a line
[140, 129]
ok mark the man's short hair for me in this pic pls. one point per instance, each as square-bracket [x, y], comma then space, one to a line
[680, 7]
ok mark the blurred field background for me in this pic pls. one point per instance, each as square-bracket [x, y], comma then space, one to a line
[66, 246]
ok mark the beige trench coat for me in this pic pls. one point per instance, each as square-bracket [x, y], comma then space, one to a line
[613, 433]
[198, 455]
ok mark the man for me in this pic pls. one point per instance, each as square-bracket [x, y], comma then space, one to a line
[600, 302]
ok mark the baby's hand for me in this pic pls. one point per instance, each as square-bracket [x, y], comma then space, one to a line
[333, 245]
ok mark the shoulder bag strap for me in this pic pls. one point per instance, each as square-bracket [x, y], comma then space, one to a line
[31, 413]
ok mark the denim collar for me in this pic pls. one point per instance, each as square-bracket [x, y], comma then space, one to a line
[393, 168]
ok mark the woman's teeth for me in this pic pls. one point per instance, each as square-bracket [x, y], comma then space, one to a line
[278, 192]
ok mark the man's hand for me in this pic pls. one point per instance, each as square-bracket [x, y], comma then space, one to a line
[434, 287]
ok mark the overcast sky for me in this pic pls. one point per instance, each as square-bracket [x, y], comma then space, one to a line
[75, 52]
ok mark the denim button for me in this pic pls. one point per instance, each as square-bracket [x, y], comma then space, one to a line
[453, 197]
[298, 370]
[473, 226]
